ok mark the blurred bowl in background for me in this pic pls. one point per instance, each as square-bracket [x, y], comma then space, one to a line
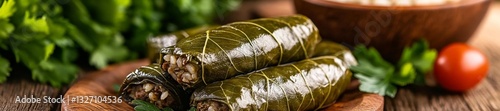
[391, 28]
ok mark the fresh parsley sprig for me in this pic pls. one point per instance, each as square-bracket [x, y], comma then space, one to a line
[141, 105]
[379, 76]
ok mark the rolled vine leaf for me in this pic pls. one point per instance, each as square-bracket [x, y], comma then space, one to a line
[150, 84]
[238, 48]
[329, 48]
[165, 40]
[310, 84]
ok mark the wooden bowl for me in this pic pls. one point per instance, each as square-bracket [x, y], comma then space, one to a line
[390, 28]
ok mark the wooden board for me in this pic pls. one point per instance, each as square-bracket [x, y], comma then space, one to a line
[485, 97]
[101, 83]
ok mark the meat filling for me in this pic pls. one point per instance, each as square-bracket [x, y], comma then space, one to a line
[152, 93]
[182, 71]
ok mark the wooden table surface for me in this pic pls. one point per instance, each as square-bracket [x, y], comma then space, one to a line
[486, 96]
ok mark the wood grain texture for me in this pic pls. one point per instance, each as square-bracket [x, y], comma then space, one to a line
[19, 88]
[354, 100]
[390, 29]
[487, 93]
[484, 97]
[100, 83]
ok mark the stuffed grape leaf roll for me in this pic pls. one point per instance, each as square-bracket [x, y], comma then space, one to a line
[165, 40]
[310, 84]
[239, 48]
[149, 83]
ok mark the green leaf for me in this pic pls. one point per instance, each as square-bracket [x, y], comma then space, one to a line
[192, 109]
[105, 54]
[405, 76]
[109, 12]
[116, 87]
[183, 14]
[420, 55]
[4, 69]
[63, 42]
[68, 55]
[184, 4]
[87, 32]
[36, 24]
[57, 27]
[167, 109]
[7, 9]
[54, 72]
[370, 62]
[379, 76]
[141, 105]
[31, 53]
[49, 49]
[424, 63]
[383, 88]
[373, 72]
[3, 45]
[6, 28]
[79, 38]
[145, 21]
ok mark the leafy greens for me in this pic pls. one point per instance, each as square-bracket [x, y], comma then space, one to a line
[48, 36]
[141, 105]
[379, 76]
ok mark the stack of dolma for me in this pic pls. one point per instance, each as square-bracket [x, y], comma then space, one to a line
[262, 64]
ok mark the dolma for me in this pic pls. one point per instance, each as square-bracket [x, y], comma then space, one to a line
[165, 40]
[149, 83]
[239, 48]
[329, 48]
[310, 84]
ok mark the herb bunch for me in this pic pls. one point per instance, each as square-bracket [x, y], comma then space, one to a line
[376, 75]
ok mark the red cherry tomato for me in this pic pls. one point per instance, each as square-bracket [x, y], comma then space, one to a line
[460, 67]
